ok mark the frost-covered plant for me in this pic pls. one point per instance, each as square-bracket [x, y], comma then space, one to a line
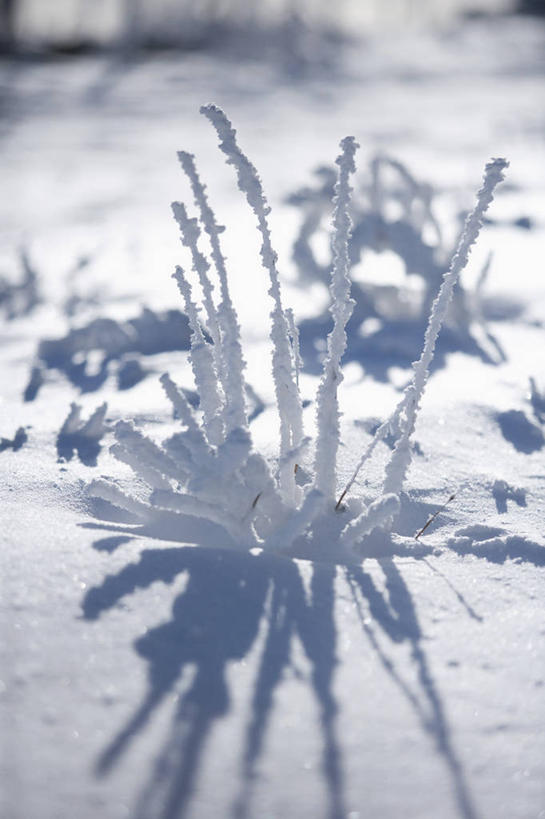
[210, 469]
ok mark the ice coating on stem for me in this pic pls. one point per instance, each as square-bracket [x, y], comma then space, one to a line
[203, 365]
[113, 494]
[378, 513]
[190, 233]
[287, 394]
[141, 448]
[189, 505]
[151, 475]
[295, 344]
[396, 469]
[327, 404]
[232, 371]
[407, 408]
[194, 438]
[283, 537]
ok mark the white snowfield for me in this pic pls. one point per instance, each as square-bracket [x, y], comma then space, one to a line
[188, 626]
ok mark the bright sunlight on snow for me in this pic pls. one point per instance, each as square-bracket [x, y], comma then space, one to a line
[273, 476]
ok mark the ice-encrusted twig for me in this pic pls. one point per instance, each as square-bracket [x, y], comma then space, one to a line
[327, 404]
[143, 469]
[194, 437]
[188, 505]
[287, 394]
[282, 538]
[295, 344]
[377, 514]
[111, 493]
[140, 447]
[203, 365]
[190, 233]
[408, 406]
[396, 469]
[232, 370]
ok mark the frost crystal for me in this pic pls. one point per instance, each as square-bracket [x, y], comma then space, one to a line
[284, 376]
[396, 470]
[402, 421]
[327, 405]
[210, 468]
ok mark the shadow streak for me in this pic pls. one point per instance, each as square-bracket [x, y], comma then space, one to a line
[396, 343]
[19, 440]
[215, 621]
[313, 622]
[520, 432]
[84, 354]
[459, 596]
[500, 549]
[395, 614]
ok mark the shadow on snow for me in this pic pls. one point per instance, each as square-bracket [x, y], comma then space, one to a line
[215, 621]
[395, 343]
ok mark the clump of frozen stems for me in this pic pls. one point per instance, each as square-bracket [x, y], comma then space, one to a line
[210, 469]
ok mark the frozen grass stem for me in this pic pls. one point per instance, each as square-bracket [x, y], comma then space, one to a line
[209, 468]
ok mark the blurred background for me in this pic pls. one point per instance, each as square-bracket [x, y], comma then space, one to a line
[73, 25]
[96, 97]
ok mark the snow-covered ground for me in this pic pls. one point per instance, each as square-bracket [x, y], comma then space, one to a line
[146, 673]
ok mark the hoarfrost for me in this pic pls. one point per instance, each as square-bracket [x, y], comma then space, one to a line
[403, 419]
[285, 381]
[327, 405]
[210, 468]
[396, 470]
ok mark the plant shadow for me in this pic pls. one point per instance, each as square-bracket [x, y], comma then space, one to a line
[215, 621]
[395, 343]
[86, 355]
[229, 598]
[395, 613]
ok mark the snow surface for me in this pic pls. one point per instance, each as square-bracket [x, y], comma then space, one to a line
[144, 675]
